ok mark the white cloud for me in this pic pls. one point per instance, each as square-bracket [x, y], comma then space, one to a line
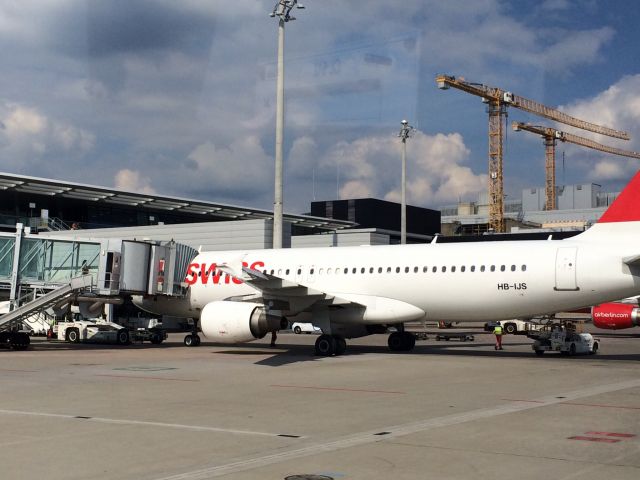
[239, 170]
[436, 173]
[27, 135]
[617, 107]
[133, 181]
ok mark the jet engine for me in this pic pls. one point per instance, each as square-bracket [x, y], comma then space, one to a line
[615, 316]
[237, 322]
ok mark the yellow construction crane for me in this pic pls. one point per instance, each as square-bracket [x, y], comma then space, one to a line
[497, 102]
[551, 137]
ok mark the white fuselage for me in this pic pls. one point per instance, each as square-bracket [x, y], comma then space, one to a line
[451, 282]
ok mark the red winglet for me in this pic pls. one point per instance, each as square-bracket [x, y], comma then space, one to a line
[625, 208]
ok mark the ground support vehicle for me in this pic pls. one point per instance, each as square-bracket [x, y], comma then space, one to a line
[463, 337]
[303, 327]
[94, 332]
[564, 340]
[514, 326]
[17, 340]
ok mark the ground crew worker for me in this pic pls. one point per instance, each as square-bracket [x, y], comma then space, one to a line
[497, 331]
[274, 337]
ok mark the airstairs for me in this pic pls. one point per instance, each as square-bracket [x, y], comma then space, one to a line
[55, 297]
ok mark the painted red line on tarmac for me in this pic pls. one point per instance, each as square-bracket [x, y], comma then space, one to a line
[137, 377]
[15, 370]
[612, 434]
[599, 405]
[519, 400]
[594, 439]
[337, 389]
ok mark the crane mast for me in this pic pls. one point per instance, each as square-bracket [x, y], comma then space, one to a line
[551, 137]
[498, 100]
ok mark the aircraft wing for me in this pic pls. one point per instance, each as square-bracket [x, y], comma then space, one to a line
[282, 294]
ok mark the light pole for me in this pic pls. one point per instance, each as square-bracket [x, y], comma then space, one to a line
[405, 132]
[282, 10]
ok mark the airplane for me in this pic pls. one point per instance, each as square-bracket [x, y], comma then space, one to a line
[617, 315]
[350, 292]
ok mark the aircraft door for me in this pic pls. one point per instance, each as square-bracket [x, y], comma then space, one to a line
[566, 268]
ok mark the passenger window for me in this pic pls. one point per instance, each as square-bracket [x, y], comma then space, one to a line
[415, 269]
[371, 270]
[482, 268]
[362, 270]
[425, 269]
[299, 271]
[354, 270]
[463, 268]
[513, 268]
[286, 272]
[388, 269]
[379, 269]
[473, 268]
[524, 268]
[406, 269]
[321, 271]
[346, 270]
[493, 268]
[329, 271]
[453, 269]
[397, 269]
[502, 268]
[444, 269]
[311, 271]
[271, 272]
[434, 269]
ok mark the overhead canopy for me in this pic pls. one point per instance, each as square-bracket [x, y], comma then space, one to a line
[209, 210]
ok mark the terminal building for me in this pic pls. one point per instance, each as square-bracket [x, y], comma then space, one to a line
[579, 206]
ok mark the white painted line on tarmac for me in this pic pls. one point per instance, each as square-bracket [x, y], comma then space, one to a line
[373, 436]
[115, 421]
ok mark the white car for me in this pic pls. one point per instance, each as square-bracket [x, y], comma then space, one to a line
[299, 327]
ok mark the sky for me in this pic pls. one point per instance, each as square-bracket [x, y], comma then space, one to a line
[178, 97]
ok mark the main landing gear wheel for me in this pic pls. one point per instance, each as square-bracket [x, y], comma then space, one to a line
[341, 345]
[192, 340]
[326, 345]
[401, 341]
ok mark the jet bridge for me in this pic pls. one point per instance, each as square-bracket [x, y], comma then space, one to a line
[47, 274]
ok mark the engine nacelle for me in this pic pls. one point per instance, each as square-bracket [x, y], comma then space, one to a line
[237, 322]
[615, 316]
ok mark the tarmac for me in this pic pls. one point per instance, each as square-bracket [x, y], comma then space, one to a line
[446, 410]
